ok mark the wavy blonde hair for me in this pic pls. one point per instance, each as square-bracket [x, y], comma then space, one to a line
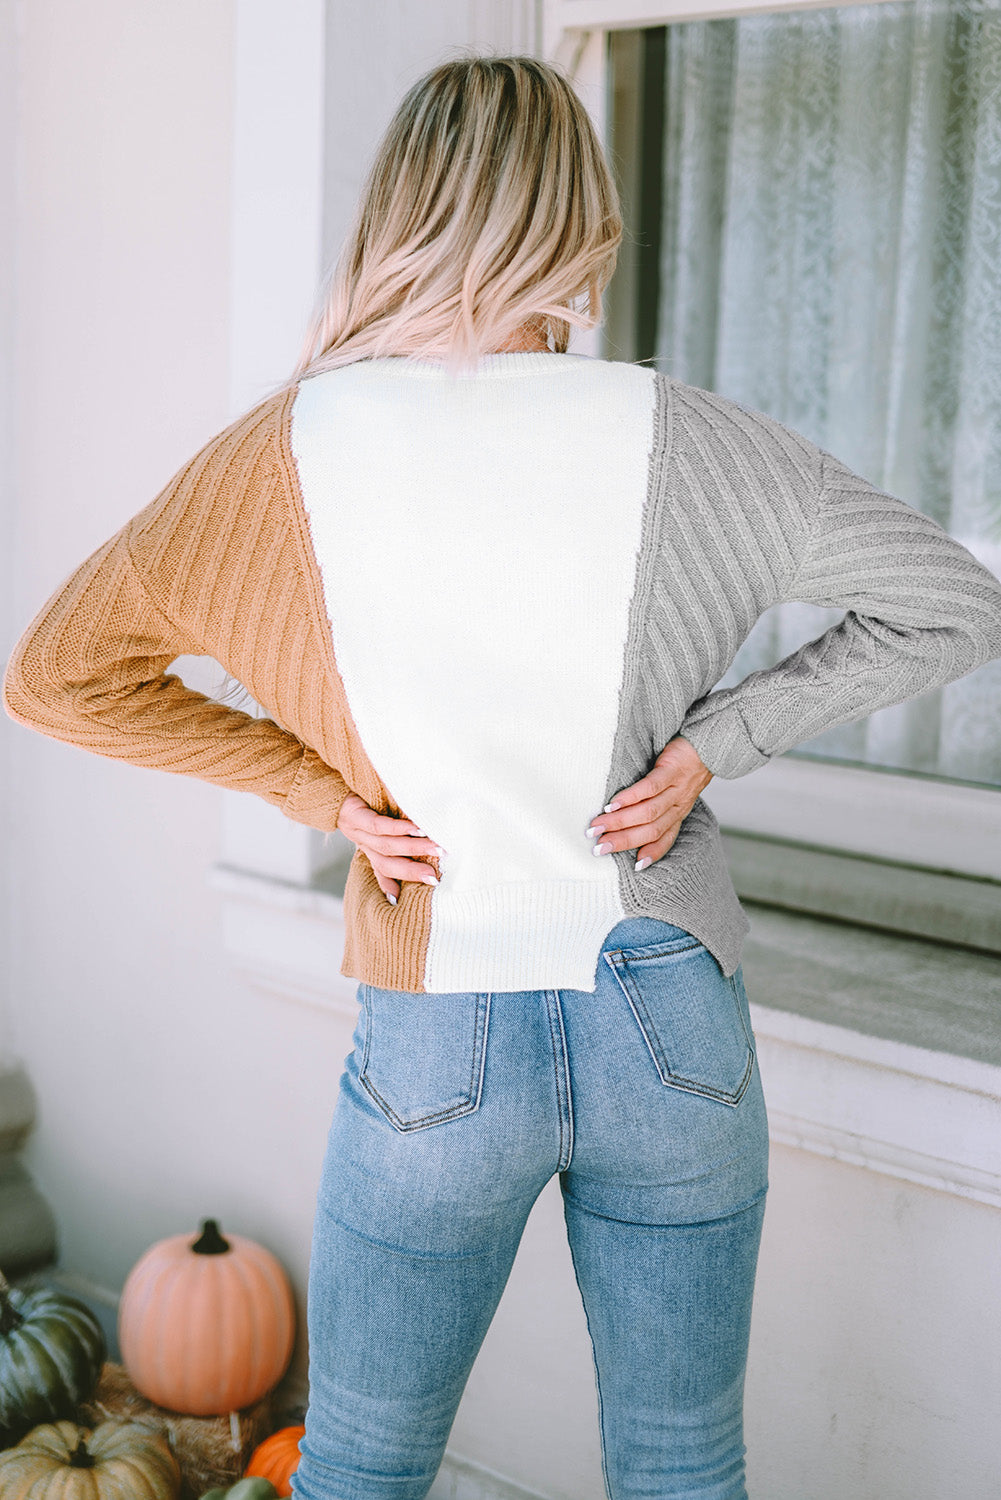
[489, 207]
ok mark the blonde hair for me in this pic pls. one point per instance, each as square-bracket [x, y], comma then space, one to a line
[489, 206]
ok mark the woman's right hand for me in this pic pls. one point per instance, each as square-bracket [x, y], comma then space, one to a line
[392, 845]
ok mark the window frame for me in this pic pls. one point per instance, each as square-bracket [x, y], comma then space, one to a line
[879, 813]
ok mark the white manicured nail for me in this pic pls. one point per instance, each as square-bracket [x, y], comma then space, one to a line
[593, 832]
[601, 849]
[429, 879]
[611, 807]
[641, 864]
[390, 899]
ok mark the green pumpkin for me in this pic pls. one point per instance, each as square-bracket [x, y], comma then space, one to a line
[51, 1352]
[245, 1489]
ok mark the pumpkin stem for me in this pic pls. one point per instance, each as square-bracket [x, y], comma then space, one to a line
[210, 1242]
[9, 1315]
[80, 1458]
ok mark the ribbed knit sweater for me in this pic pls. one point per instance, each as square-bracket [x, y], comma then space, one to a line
[487, 602]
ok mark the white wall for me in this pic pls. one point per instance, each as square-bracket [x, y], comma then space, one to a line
[8, 157]
[163, 1092]
[171, 1088]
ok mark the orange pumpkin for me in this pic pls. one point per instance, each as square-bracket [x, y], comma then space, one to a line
[206, 1324]
[277, 1458]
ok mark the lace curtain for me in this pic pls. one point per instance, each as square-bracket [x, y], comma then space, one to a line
[831, 255]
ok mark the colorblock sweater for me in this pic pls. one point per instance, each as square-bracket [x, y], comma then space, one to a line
[486, 602]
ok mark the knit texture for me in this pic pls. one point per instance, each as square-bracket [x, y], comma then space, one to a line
[722, 512]
[478, 599]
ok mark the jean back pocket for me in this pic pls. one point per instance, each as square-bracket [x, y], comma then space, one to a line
[690, 1014]
[423, 1055]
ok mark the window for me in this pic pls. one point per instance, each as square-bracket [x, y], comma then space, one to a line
[814, 207]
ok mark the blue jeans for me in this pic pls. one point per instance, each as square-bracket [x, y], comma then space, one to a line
[454, 1111]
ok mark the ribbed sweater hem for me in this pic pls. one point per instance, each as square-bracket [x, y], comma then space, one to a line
[520, 936]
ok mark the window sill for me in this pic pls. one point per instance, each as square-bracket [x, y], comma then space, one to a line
[890, 987]
[879, 1050]
[904, 899]
[285, 938]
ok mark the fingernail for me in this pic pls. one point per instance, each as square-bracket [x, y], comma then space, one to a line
[390, 899]
[429, 879]
[439, 851]
[611, 807]
[601, 848]
[420, 834]
[593, 832]
[641, 864]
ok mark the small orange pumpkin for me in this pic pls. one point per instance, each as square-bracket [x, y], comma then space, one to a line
[206, 1324]
[277, 1458]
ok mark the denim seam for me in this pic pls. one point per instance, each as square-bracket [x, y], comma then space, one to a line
[734, 1213]
[561, 1070]
[453, 1112]
[748, 1033]
[567, 1087]
[666, 947]
[594, 1361]
[404, 1250]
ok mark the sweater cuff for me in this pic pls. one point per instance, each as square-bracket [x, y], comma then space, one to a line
[317, 794]
[720, 737]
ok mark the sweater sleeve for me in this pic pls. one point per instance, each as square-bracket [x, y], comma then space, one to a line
[921, 612]
[91, 669]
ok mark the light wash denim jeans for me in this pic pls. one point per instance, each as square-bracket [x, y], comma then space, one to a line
[454, 1110]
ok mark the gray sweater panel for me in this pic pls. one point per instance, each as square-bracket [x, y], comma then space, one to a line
[743, 513]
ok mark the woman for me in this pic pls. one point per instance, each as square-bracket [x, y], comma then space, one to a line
[483, 589]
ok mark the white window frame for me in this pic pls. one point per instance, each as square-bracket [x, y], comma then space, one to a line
[880, 813]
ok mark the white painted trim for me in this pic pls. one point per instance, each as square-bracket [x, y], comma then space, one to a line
[920, 1116]
[939, 825]
[285, 939]
[582, 55]
[566, 16]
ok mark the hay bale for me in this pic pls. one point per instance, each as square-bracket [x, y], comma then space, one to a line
[211, 1451]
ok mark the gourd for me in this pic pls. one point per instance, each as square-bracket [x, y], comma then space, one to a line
[277, 1458]
[206, 1323]
[116, 1460]
[51, 1351]
[244, 1489]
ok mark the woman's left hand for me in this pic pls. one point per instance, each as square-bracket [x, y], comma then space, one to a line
[649, 813]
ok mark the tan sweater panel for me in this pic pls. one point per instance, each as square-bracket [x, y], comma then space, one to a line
[221, 564]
